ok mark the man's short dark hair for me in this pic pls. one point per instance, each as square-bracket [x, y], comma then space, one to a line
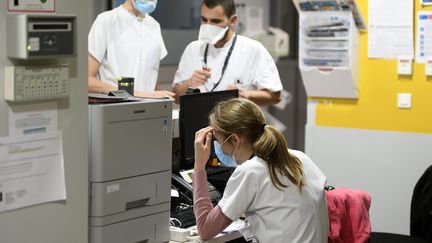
[227, 5]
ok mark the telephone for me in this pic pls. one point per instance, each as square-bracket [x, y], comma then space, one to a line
[182, 206]
[184, 187]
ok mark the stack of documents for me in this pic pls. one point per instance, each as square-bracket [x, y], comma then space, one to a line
[325, 40]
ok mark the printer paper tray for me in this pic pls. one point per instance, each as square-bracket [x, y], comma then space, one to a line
[131, 214]
[150, 229]
[128, 194]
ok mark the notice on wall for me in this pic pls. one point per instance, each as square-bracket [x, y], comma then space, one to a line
[426, 2]
[33, 118]
[424, 36]
[31, 5]
[31, 170]
[332, 5]
[391, 29]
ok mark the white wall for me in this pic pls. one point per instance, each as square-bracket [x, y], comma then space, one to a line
[385, 164]
[65, 221]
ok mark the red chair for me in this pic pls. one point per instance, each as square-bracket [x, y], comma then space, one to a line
[348, 212]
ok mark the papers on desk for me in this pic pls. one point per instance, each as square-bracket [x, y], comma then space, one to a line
[230, 233]
[99, 98]
[174, 193]
[236, 226]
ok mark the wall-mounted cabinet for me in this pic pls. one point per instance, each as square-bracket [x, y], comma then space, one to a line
[329, 54]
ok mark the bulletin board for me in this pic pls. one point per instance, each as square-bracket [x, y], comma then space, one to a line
[379, 84]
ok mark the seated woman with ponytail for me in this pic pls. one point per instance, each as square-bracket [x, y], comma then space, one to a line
[280, 191]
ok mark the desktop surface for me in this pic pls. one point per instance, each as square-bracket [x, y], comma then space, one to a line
[231, 236]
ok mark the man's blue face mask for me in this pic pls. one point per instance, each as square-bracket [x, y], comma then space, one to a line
[227, 160]
[145, 6]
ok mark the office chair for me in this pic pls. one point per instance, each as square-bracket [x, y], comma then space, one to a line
[421, 216]
[382, 237]
[348, 215]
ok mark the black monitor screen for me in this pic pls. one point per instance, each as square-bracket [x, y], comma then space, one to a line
[194, 111]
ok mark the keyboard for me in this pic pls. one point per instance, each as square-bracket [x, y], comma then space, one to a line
[186, 218]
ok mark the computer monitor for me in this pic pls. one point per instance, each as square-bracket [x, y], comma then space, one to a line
[194, 111]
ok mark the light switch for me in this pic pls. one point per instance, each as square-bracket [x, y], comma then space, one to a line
[404, 100]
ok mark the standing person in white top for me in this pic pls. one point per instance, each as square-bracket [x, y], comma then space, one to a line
[280, 191]
[222, 59]
[126, 42]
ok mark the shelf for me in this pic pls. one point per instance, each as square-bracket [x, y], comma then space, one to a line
[329, 65]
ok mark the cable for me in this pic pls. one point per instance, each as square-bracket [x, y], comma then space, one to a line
[173, 221]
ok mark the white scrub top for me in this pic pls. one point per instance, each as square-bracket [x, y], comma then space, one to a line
[274, 215]
[127, 46]
[250, 67]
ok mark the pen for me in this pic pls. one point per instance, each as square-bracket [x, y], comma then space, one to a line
[204, 64]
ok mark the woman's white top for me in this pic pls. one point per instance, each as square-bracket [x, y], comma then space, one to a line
[127, 46]
[250, 67]
[275, 215]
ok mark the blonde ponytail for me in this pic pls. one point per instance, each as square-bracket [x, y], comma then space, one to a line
[245, 118]
[272, 147]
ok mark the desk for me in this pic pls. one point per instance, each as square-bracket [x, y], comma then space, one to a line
[220, 238]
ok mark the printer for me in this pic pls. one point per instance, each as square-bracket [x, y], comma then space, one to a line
[130, 171]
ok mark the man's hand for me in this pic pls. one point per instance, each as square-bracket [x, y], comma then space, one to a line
[203, 140]
[155, 94]
[165, 93]
[242, 93]
[199, 77]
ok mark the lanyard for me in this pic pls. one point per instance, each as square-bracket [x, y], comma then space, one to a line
[225, 63]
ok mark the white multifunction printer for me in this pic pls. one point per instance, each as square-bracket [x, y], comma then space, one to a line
[130, 171]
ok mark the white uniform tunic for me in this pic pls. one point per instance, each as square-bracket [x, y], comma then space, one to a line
[250, 67]
[127, 46]
[274, 215]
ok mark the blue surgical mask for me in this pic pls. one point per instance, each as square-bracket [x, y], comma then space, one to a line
[145, 6]
[227, 160]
